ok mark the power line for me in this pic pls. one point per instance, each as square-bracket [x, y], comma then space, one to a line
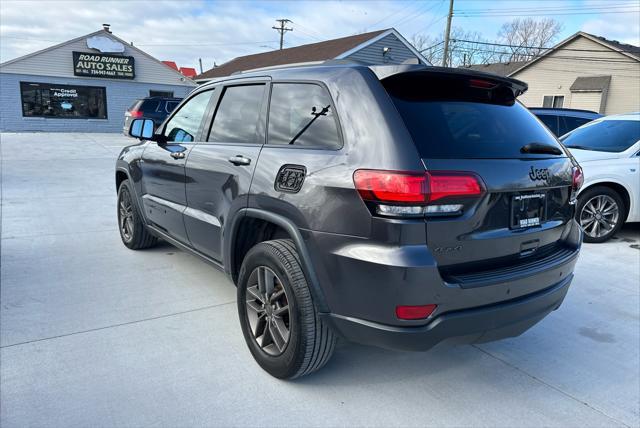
[568, 58]
[389, 16]
[463, 15]
[418, 14]
[154, 44]
[540, 47]
[550, 9]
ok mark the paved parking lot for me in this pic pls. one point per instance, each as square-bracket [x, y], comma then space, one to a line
[93, 334]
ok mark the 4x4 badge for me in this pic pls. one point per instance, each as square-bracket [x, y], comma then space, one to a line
[539, 174]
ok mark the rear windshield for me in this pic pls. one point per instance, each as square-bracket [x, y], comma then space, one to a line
[149, 106]
[604, 136]
[466, 123]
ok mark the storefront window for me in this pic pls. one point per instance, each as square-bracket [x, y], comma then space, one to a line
[63, 101]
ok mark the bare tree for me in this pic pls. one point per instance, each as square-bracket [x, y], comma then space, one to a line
[430, 47]
[464, 48]
[527, 37]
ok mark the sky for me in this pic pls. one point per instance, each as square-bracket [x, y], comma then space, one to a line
[218, 31]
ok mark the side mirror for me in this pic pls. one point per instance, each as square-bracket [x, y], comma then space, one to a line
[141, 128]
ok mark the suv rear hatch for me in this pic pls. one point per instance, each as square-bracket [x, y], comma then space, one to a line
[471, 124]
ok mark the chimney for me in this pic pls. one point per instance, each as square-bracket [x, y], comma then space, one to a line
[106, 27]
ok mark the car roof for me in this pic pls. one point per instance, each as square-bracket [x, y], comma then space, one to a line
[623, 116]
[565, 112]
[320, 71]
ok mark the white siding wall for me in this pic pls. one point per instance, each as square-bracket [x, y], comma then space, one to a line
[58, 62]
[586, 100]
[554, 75]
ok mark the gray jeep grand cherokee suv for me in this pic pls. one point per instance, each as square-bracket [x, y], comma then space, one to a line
[396, 206]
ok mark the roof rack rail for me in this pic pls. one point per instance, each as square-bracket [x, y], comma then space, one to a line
[303, 64]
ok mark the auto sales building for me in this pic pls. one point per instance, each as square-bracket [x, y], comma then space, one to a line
[82, 85]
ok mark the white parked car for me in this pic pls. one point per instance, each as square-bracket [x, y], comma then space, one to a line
[608, 151]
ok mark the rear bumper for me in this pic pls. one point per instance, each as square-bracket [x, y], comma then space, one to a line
[475, 325]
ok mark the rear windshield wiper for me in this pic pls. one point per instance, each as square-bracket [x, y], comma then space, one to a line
[538, 148]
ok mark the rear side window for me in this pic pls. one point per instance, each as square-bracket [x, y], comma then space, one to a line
[150, 106]
[169, 106]
[301, 114]
[449, 119]
[568, 123]
[550, 122]
[238, 114]
[605, 136]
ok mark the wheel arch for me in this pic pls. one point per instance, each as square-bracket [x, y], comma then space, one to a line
[617, 187]
[121, 175]
[251, 226]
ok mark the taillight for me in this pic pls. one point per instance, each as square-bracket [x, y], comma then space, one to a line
[451, 184]
[578, 178]
[396, 193]
[387, 186]
[135, 114]
[414, 312]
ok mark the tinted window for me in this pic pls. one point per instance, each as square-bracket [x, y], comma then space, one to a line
[568, 123]
[550, 122]
[169, 106]
[604, 136]
[150, 106]
[301, 114]
[237, 116]
[459, 129]
[63, 101]
[184, 125]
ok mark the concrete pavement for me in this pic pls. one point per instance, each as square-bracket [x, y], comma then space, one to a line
[93, 334]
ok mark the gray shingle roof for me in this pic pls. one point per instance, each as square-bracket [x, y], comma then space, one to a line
[591, 83]
[630, 49]
[321, 51]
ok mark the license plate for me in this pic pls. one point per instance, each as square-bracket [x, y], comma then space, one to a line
[528, 210]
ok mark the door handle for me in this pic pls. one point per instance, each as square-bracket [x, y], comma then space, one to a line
[239, 160]
[177, 155]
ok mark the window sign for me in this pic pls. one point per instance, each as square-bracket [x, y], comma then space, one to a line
[63, 101]
[90, 64]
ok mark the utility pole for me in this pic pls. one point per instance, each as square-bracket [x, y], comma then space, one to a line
[446, 34]
[282, 29]
[200, 61]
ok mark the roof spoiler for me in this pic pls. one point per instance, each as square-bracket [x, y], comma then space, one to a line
[384, 72]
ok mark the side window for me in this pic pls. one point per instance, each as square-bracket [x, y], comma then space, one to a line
[184, 125]
[238, 114]
[301, 114]
[568, 123]
[550, 121]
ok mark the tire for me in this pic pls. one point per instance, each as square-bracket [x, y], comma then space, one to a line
[310, 342]
[133, 232]
[601, 213]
